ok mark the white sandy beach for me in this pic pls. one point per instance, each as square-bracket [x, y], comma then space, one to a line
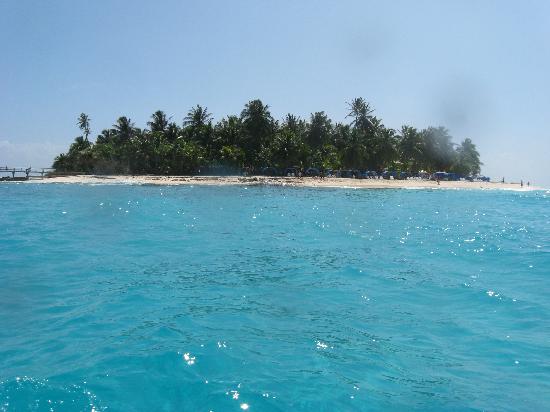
[280, 181]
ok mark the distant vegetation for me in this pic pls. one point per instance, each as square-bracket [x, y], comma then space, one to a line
[255, 140]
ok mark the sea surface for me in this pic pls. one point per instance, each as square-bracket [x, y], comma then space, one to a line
[151, 298]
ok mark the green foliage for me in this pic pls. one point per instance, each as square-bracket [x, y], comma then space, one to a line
[232, 156]
[410, 149]
[255, 140]
[84, 124]
[158, 122]
[198, 126]
[361, 113]
[326, 157]
[78, 158]
[319, 130]
[258, 130]
[438, 149]
[124, 130]
[467, 159]
[186, 157]
[287, 149]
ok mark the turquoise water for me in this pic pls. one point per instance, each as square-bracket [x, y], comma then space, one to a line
[147, 298]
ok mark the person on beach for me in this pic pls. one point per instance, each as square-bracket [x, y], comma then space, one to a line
[521, 183]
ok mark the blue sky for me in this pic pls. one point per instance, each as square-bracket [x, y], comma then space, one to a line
[480, 68]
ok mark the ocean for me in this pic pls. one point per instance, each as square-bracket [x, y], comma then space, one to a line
[232, 298]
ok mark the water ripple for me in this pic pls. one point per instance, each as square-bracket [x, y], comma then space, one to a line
[177, 298]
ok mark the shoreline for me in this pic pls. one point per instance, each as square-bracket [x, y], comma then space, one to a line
[313, 182]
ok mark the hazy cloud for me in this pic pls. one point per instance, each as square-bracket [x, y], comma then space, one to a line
[24, 154]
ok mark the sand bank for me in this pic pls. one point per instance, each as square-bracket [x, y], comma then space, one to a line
[280, 181]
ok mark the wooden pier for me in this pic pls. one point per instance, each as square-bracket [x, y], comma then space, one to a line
[15, 174]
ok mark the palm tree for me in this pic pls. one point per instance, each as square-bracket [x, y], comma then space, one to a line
[255, 139]
[258, 128]
[61, 163]
[294, 123]
[106, 136]
[124, 128]
[287, 149]
[467, 159]
[228, 132]
[386, 150]
[354, 150]
[84, 124]
[172, 132]
[361, 112]
[438, 148]
[197, 117]
[256, 116]
[319, 130]
[159, 121]
[198, 126]
[410, 148]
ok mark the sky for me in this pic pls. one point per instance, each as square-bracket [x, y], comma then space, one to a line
[480, 68]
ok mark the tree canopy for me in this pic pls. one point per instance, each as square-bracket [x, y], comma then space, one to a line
[255, 140]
